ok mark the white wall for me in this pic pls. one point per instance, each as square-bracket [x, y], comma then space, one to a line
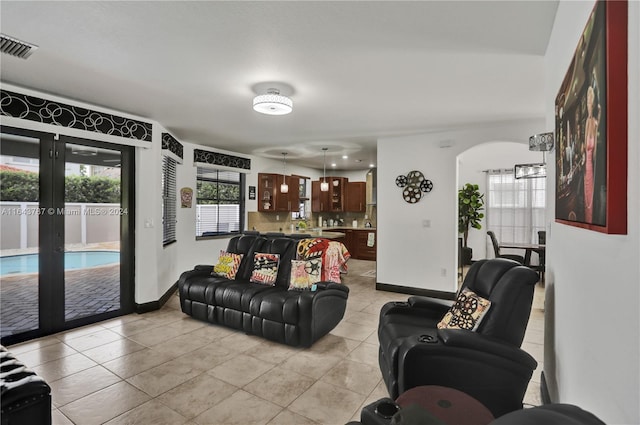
[426, 257]
[592, 335]
[471, 166]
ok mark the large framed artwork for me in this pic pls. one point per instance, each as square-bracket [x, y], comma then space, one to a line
[591, 126]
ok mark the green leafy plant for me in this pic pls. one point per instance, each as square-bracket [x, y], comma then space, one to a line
[470, 205]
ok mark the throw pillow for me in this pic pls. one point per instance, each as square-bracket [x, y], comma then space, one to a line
[466, 313]
[228, 264]
[265, 268]
[305, 273]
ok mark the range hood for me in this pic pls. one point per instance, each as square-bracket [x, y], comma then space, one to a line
[372, 186]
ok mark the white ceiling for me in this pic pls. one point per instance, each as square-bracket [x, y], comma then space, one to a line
[356, 71]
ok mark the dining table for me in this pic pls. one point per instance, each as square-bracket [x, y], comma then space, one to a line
[527, 247]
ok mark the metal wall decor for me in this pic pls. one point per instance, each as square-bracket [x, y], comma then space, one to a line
[414, 184]
[33, 108]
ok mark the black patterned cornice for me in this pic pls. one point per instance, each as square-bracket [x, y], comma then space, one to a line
[33, 108]
[170, 143]
[216, 158]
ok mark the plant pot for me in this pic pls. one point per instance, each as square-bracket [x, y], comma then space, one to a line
[467, 254]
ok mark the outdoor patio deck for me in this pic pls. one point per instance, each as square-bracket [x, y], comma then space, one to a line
[88, 291]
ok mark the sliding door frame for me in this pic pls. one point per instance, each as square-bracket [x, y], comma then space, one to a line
[51, 289]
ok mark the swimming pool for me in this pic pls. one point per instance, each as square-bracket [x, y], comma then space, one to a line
[73, 260]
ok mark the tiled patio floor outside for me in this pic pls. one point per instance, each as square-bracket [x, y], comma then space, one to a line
[87, 292]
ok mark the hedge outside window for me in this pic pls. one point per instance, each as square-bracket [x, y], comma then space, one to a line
[169, 199]
[219, 202]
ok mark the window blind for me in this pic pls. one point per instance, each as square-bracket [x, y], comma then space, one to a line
[219, 202]
[169, 211]
[515, 207]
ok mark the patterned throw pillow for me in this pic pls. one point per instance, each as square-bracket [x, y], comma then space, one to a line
[265, 268]
[228, 264]
[305, 273]
[466, 313]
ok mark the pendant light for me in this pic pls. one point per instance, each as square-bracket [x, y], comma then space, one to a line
[284, 187]
[324, 186]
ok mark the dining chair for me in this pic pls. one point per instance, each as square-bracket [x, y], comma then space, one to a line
[542, 240]
[496, 249]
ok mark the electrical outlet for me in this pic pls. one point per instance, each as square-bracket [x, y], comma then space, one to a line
[426, 223]
[148, 223]
[443, 272]
[277, 217]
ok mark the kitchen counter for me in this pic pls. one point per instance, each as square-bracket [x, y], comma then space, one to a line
[328, 234]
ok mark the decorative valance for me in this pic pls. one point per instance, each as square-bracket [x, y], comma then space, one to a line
[170, 144]
[221, 160]
[32, 108]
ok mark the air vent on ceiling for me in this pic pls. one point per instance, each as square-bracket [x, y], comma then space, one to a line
[15, 47]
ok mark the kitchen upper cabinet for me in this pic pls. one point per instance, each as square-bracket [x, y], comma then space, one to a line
[331, 201]
[270, 197]
[319, 199]
[355, 198]
[294, 193]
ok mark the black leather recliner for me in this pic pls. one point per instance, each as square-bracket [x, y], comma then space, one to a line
[487, 363]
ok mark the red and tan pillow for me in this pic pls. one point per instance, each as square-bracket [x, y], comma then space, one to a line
[466, 313]
[228, 264]
[305, 273]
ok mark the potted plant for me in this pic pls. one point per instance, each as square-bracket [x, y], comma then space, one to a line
[470, 205]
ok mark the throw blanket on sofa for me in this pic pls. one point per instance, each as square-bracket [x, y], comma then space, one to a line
[334, 256]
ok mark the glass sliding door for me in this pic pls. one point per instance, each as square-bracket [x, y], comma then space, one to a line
[19, 222]
[92, 230]
[67, 254]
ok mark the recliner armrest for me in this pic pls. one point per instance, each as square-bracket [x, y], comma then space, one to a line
[204, 267]
[430, 303]
[332, 285]
[467, 339]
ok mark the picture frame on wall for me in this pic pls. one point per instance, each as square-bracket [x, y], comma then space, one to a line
[591, 126]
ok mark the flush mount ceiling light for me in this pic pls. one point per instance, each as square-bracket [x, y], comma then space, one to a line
[284, 187]
[272, 103]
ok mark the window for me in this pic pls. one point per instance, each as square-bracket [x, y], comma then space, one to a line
[515, 207]
[168, 200]
[219, 202]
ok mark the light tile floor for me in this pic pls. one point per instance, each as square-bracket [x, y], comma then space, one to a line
[166, 368]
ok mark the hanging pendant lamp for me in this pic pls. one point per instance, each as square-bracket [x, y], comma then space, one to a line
[324, 186]
[284, 187]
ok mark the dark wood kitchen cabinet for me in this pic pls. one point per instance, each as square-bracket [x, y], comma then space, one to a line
[355, 200]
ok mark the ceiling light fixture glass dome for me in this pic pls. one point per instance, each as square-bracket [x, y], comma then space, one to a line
[272, 103]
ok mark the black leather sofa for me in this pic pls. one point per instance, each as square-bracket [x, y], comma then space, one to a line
[487, 363]
[296, 318]
[26, 397]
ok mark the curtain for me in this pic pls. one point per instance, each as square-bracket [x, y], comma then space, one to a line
[515, 208]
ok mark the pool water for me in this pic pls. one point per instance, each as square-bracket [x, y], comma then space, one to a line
[28, 263]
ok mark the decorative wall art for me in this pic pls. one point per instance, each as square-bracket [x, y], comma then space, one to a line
[186, 197]
[591, 126]
[414, 184]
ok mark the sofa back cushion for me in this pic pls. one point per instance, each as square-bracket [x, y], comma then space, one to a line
[509, 286]
[286, 249]
[246, 245]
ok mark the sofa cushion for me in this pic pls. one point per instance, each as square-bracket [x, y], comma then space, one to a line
[265, 268]
[305, 273]
[228, 264]
[466, 313]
